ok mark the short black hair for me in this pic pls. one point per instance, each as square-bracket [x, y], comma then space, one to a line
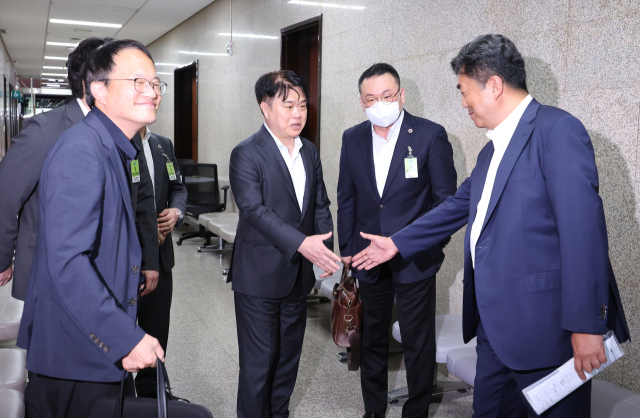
[377, 70]
[77, 62]
[102, 61]
[278, 84]
[490, 55]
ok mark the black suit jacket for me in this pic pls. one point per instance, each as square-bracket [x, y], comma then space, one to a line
[362, 209]
[265, 261]
[19, 175]
[168, 193]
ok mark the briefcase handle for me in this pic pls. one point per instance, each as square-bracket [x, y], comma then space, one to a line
[162, 389]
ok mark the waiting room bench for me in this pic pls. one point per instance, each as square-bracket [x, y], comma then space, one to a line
[448, 339]
[10, 313]
[221, 224]
[13, 373]
[11, 403]
[607, 399]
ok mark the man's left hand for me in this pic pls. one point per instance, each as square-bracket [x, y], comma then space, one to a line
[167, 220]
[151, 281]
[588, 353]
[5, 276]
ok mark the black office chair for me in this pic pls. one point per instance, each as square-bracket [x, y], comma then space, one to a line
[183, 161]
[203, 196]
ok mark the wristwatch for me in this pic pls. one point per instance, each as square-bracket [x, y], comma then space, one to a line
[180, 214]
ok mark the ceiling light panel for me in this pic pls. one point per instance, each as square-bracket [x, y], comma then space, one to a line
[325, 4]
[202, 53]
[249, 35]
[47, 57]
[61, 44]
[84, 23]
[56, 75]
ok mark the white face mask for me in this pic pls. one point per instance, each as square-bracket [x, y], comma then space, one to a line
[383, 114]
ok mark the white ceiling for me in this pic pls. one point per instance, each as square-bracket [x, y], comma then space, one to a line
[27, 26]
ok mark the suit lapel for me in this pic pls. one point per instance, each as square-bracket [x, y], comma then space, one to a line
[366, 148]
[310, 172]
[404, 140]
[478, 183]
[114, 157]
[271, 154]
[514, 149]
[159, 164]
[74, 112]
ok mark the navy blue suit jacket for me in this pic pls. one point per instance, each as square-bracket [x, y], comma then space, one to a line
[79, 313]
[265, 260]
[361, 209]
[542, 267]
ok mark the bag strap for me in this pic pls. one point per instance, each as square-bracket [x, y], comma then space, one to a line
[163, 383]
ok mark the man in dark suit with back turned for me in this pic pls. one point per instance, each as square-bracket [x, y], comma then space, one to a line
[538, 284]
[20, 172]
[394, 168]
[78, 325]
[170, 204]
[276, 178]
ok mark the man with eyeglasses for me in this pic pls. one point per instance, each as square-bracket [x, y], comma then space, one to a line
[394, 167]
[79, 322]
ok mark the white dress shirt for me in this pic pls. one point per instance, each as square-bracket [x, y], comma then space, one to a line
[84, 108]
[501, 136]
[294, 164]
[383, 152]
[149, 157]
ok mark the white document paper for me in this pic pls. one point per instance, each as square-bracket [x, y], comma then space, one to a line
[549, 390]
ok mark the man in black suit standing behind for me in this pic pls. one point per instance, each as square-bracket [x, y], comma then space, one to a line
[277, 181]
[20, 172]
[170, 203]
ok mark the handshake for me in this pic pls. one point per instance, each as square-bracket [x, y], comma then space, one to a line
[380, 250]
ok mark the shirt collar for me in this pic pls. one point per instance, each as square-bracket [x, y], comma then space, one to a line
[501, 134]
[146, 135]
[395, 128]
[124, 145]
[85, 109]
[281, 146]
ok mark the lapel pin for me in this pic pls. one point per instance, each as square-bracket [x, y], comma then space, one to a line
[159, 146]
[410, 131]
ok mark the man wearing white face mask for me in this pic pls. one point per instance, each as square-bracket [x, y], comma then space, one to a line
[394, 167]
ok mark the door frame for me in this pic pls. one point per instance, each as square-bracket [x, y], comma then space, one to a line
[194, 114]
[313, 21]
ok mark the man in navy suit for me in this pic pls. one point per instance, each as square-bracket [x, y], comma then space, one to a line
[276, 178]
[79, 326]
[394, 168]
[538, 284]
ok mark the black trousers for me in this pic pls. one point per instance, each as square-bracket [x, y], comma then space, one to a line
[153, 317]
[49, 397]
[498, 389]
[416, 309]
[270, 334]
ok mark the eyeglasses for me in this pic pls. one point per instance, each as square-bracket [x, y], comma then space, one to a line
[386, 98]
[142, 85]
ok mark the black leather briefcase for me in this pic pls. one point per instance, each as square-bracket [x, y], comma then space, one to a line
[163, 407]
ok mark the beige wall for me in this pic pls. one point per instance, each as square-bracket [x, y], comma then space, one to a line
[581, 55]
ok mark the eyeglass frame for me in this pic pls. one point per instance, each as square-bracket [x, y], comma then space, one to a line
[149, 83]
[379, 100]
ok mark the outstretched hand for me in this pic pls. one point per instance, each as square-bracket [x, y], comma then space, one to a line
[380, 250]
[314, 250]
